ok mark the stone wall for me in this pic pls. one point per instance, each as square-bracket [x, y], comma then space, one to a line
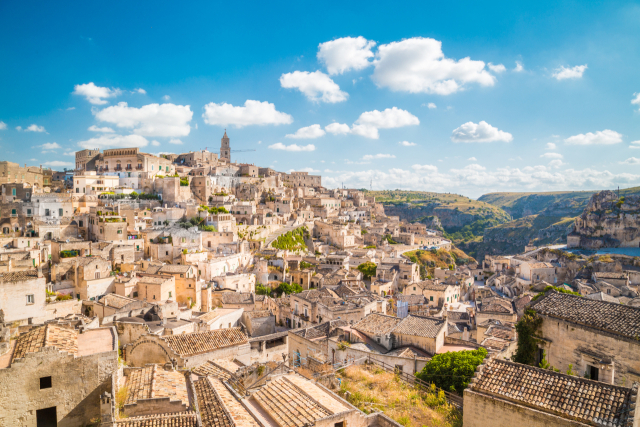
[481, 410]
[77, 384]
[569, 343]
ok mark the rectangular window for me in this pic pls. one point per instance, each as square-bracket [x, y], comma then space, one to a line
[13, 191]
[431, 298]
[30, 299]
[169, 294]
[45, 382]
[119, 231]
[60, 212]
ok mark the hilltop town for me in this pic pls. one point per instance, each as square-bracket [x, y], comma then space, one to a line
[194, 290]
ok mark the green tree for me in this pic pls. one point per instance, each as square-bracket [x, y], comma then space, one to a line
[453, 370]
[287, 289]
[262, 290]
[527, 341]
[554, 288]
[368, 269]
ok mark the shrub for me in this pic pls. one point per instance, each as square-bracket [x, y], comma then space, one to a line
[368, 269]
[452, 371]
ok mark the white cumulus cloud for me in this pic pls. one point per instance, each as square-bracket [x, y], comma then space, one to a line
[634, 144]
[316, 86]
[3, 125]
[309, 132]
[337, 128]
[431, 105]
[604, 137]
[346, 54]
[58, 164]
[636, 100]
[519, 67]
[35, 128]
[407, 144]
[551, 146]
[378, 156]
[418, 65]
[480, 132]
[552, 155]
[292, 147]
[50, 146]
[150, 120]
[366, 131]
[472, 159]
[140, 91]
[425, 168]
[175, 141]
[387, 119]
[114, 141]
[631, 161]
[563, 72]
[252, 113]
[95, 94]
[497, 68]
[155, 143]
[95, 128]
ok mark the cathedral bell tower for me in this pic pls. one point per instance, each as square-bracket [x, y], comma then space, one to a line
[225, 151]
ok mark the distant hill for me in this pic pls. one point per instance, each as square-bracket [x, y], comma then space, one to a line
[559, 204]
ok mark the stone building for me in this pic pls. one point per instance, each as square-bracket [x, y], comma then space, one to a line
[189, 350]
[22, 295]
[54, 372]
[302, 179]
[34, 176]
[507, 394]
[86, 160]
[599, 339]
[225, 148]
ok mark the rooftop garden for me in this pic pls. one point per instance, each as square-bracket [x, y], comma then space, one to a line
[213, 209]
[69, 254]
[184, 182]
[372, 389]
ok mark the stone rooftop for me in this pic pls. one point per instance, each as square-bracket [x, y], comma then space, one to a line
[290, 405]
[213, 369]
[606, 316]
[19, 276]
[497, 305]
[377, 324]
[587, 401]
[257, 314]
[201, 342]
[169, 268]
[49, 335]
[156, 382]
[420, 326]
[115, 300]
[610, 275]
[502, 332]
[212, 410]
[180, 419]
[237, 298]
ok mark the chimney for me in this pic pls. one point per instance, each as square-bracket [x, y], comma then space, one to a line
[10, 264]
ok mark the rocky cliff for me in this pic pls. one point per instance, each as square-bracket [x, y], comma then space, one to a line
[608, 221]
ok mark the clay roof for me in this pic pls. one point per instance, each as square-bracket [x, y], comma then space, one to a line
[210, 368]
[19, 276]
[179, 419]
[497, 305]
[420, 326]
[322, 330]
[201, 342]
[289, 405]
[377, 324]
[236, 298]
[411, 299]
[237, 413]
[175, 268]
[566, 396]
[156, 382]
[258, 314]
[432, 286]
[212, 410]
[521, 302]
[49, 335]
[610, 275]
[502, 332]
[115, 300]
[611, 317]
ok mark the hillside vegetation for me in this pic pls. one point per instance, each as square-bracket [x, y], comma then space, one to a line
[428, 260]
[560, 203]
[460, 218]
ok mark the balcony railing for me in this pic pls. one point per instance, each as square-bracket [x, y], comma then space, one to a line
[118, 168]
[128, 168]
[139, 167]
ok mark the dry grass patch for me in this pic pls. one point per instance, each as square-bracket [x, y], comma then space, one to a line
[372, 388]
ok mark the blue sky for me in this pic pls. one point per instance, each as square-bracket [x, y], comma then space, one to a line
[543, 101]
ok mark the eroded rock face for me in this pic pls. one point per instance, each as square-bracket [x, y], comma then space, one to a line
[609, 222]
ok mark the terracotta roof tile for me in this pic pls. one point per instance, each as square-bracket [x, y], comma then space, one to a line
[420, 326]
[201, 342]
[49, 335]
[588, 401]
[154, 382]
[19, 276]
[615, 318]
[180, 419]
[212, 410]
[377, 324]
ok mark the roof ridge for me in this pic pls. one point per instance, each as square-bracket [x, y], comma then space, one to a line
[153, 381]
